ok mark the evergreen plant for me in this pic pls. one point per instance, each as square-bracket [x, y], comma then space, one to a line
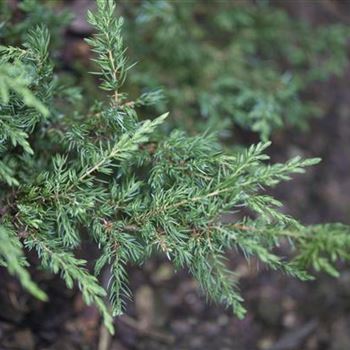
[133, 185]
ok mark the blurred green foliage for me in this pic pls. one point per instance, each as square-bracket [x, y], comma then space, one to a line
[225, 63]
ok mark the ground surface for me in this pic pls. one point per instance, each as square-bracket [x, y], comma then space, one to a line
[168, 311]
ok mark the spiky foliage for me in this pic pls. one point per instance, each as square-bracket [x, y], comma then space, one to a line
[229, 63]
[131, 187]
[32, 13]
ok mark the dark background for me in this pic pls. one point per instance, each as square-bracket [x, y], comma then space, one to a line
[168, 310]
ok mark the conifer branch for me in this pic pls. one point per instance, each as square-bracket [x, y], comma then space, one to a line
[134, 188]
